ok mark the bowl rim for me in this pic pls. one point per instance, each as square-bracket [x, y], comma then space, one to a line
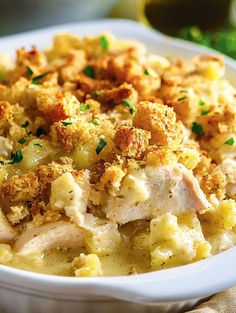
[197, 280]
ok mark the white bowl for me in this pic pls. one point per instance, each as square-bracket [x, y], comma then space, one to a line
[170, 290]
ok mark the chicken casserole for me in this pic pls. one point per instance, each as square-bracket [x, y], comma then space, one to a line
[114, 161]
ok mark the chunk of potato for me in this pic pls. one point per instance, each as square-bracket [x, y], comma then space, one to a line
[177, 241]
[87, 265]
[5, 253]
[37, 152]
[84, 156]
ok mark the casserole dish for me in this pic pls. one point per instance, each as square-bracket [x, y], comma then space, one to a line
[170, 290]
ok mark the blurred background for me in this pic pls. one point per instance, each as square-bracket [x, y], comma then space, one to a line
[208, 22]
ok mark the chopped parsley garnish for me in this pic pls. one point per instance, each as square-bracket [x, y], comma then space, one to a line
[130, 105]
[146, 72]
[183, 91]
[230, 141]
[2, 77]
[182, 98]
[89, 71]
[16, 157]
[201, 103]
[141, 164]
[101, 145]
[38, 144]
[1, 162]
[84, 107]
[66, 123]
[94, 122]
[22, 140]
[29, 132]
[26, 124]
[197, 129]
[29, 72]
[37, 79]
[97, 93]
[104, 42]
[205, 111]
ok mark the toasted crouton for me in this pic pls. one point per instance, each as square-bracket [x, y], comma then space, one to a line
[116, 95]
[21, 187]
[130, 141]
[48, 173]
[33, 59]
[17, 213]
[214, 183]
[159, 119]
[57, 106]
[219, 120]
[66, 135]
[111, 178]
[6, 113]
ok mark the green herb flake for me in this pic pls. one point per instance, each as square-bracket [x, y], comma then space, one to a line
[146, 72]
[197, 129]
[89, 71]
[3, 77]
[205, 111]
[29, 72]
[97, 93]
[230, 141]
[37, 79]
[94, 122]
[84, 107]
[22, 140]
[104, 42]
[16, 157]
[26, 124]
[130, 105]
[1, 162]
[201, 103]
[29, 132]
[38, 145]
[141, 164]
[182, 98]
[66, 123]
[101, 145]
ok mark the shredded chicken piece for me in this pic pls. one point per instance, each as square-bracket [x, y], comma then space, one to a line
[146, 193]
[36, 240]
[228, 168]
[7, 233]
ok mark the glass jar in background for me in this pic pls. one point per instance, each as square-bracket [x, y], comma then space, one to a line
[169, 16]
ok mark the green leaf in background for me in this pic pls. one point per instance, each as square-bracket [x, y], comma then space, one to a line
[223, 40]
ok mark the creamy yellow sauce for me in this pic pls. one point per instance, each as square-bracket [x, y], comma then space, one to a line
[58, 262]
